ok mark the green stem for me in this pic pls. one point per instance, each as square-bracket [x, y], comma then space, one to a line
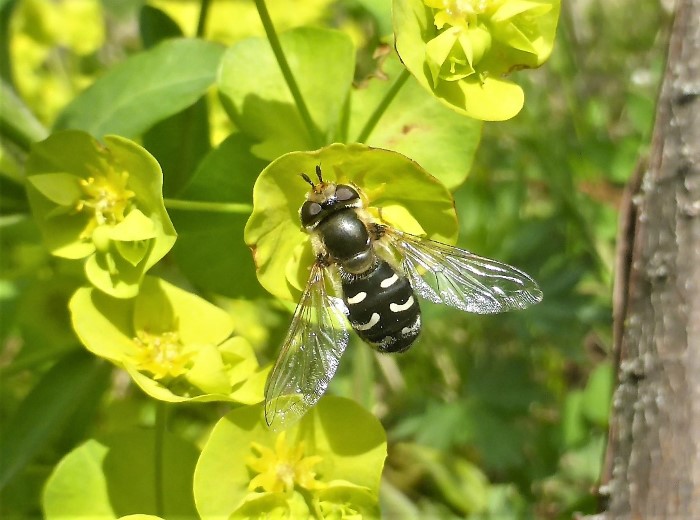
[382, 106]
[287, 73]
[158, 449]
[202, 21]
[213, 207]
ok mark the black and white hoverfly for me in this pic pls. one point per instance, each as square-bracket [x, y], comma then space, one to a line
[378, 271]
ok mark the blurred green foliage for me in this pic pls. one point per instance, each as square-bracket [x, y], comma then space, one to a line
[489, 416]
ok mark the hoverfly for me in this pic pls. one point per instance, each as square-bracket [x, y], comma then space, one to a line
[378, 271]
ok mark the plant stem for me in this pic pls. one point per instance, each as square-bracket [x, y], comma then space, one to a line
[382, 106]
[158, 449]
[202, 21]
[287, 73]
[213, 207]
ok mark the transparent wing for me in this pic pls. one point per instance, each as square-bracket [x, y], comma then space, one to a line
[458, 278]
[310, 353]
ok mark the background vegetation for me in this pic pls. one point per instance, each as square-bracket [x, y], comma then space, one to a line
[489, 417]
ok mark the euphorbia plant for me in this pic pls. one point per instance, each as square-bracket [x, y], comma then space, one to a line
[101, 203]
[461, 50]
[285, 104]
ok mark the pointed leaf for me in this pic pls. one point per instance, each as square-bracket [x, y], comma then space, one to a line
[145, 89]
[16, 120]
[258, 100]
[210, 247]
[54, 399]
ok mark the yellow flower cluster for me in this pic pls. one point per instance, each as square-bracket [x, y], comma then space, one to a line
[162, 354]
[106, 197]
[283, 468]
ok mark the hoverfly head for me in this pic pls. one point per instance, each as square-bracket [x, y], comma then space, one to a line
[325, 198]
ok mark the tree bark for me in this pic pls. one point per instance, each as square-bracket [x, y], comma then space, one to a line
[654, 449]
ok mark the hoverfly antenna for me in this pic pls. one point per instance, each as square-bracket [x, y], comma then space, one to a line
[318, 173]
[307, 179]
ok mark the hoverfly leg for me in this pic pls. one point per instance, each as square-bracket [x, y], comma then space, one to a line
[376, 231]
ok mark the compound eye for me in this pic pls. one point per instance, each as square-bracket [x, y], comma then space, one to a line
[309, 211]
[343, 193]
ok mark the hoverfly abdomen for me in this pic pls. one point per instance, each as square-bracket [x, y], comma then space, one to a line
[382, 308]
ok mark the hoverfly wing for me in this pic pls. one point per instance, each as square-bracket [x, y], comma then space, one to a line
[460, 279]
[309, 355]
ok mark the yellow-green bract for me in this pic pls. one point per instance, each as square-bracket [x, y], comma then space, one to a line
[398, 192]
[103, 203]
[175, 345]
[328, 465]
[461, 50]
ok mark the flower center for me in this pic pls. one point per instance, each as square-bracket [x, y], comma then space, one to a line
[282, 468]
[106, 196]
[161, 354]
[465, 7]
[459, 13]
[285, 473]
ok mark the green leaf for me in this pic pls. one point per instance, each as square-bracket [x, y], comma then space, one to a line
[598, 394]
[59, 393]
[408, 197]
[47, 298]
[462, 484]
[145, 89]
[13, 196]
[210, 247]
[349, 440]
[381, 11]
[257, 99]
[156, 26]
[574, 427]
[418, 126]
[116, 476]
[179, 143]
[17, 122]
